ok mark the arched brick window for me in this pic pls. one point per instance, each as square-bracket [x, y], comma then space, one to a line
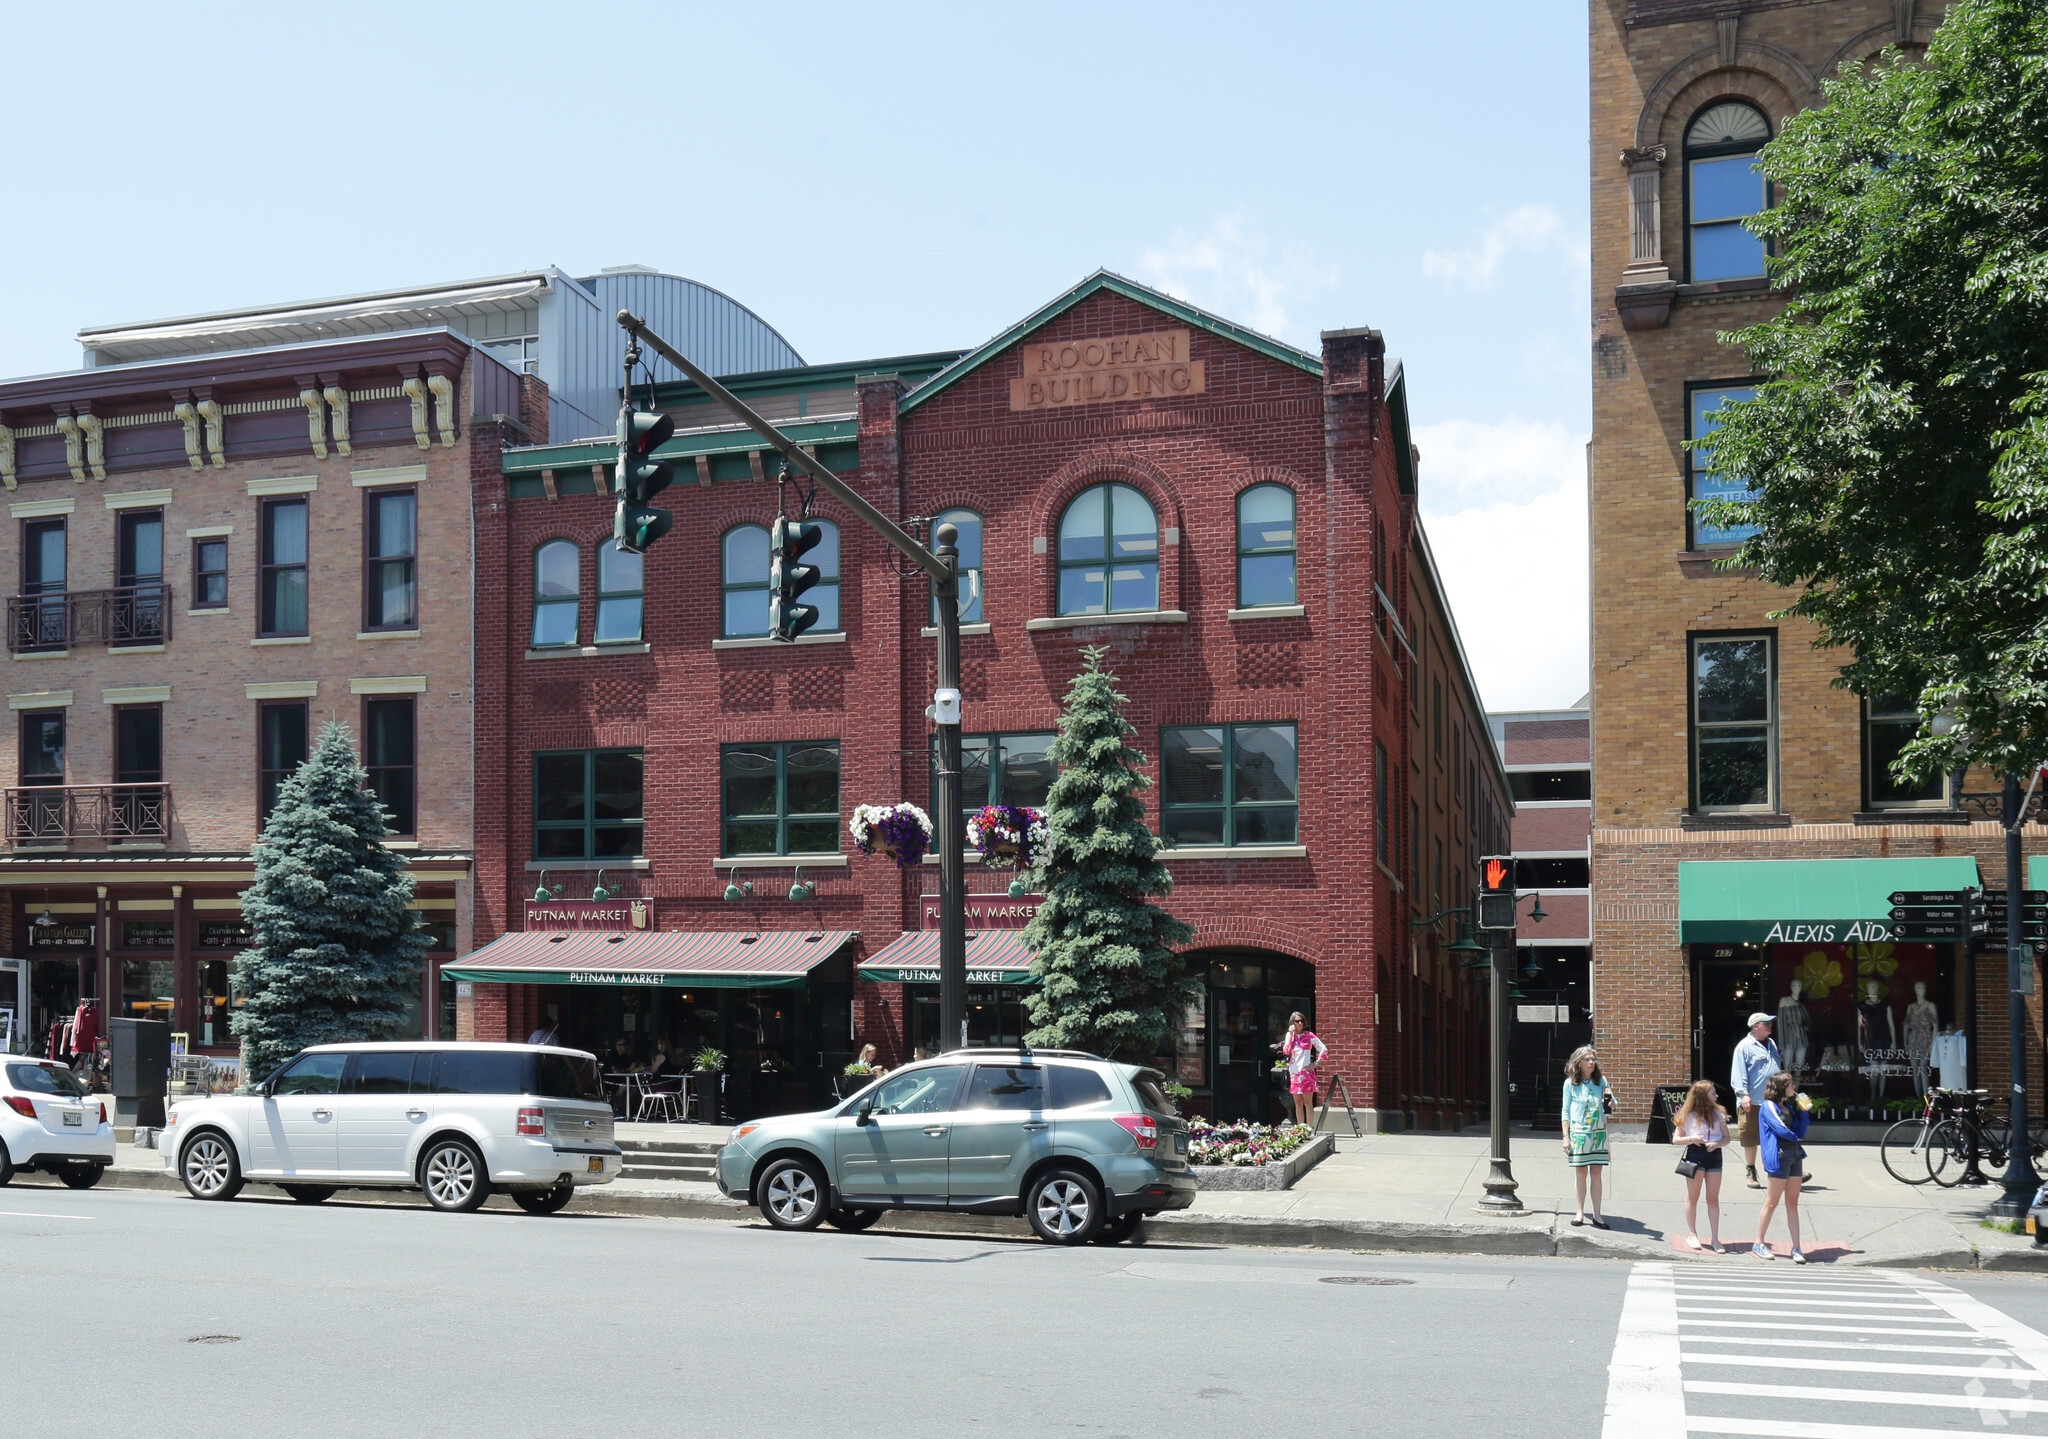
[1108, 553]
[557, 582]
[1723, 186]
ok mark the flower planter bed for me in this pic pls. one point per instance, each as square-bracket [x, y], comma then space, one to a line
[1255, 1156]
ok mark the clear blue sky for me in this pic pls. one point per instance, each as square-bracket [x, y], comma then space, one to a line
[875, 180]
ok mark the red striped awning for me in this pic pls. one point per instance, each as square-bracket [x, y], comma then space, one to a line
[678, 959]
[994, 956]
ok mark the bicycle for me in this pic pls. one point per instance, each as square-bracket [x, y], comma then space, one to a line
[1968, 1133]
[1905, 1148]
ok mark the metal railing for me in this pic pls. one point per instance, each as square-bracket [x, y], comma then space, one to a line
[53, 814]
[125, 615]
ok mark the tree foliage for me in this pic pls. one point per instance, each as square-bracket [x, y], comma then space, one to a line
[336, 951]
[1110, 979]
[1899, 451]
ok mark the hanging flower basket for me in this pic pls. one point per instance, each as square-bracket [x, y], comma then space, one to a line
[1008, 835]
[902, 831]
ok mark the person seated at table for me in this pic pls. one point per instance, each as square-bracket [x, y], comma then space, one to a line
[620, 1060]
[663, 1065]
[871, 1058]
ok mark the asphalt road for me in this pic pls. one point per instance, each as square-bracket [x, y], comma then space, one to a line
[166, 1317]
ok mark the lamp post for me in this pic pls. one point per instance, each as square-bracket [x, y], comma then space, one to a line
[2020, 1181]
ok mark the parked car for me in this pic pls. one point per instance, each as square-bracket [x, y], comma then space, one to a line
[48, 1122]
[1082, 1147]
[453, 1120]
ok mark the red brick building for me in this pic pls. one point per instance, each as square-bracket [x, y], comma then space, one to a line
[1231, 517]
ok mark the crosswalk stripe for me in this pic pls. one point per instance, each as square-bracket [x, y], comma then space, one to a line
[1797, 1429]
[1729, 1300]
[2030, 1344]
[2016, 1374]
[1781, 1312]
[1867, 1396]
[1747, 1291]
[1821, 1328]
[1643, 1394]
[1838, 1345]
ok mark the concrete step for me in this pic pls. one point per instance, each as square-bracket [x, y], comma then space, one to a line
[668, 1159]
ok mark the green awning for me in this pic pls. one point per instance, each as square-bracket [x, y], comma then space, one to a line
[1804, 901]
[2037, 872]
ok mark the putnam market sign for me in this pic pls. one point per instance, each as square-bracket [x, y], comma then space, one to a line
[588, 914]
[987, 911]
[1121, 367]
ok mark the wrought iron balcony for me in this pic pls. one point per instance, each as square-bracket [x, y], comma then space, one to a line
[126, 615]
[58, 813]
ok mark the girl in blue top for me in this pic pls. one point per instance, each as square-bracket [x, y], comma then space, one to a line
[1782, 1118]
[1587, 1098]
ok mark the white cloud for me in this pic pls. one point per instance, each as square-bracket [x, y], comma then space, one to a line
[1234, 270]
[1529, 229]
[1505, 507]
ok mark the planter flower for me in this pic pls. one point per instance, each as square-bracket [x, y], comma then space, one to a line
[902, 831]
[1244, 1144]
[1008, 834]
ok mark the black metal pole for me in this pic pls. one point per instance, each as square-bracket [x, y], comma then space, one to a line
[1501, 1196]
[951, 836]
[2020, 1180]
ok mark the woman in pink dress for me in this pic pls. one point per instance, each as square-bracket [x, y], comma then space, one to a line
[1303, 1052]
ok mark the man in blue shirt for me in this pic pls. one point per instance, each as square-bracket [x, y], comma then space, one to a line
[1756, 1060]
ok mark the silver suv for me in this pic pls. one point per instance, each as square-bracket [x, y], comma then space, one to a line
[1081, 1146]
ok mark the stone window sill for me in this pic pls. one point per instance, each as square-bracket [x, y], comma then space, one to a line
[586, 652]
[387, 634]
[761, 642]
[1735, 819]
[209, 610]
[1235, 851]
[782, 861]
[931, 632]
[567, 866]
[1269, 612]
[1911, 816]
[135, 649]
[284, 640]
[1753, 285]
[1127, 617]
[44, 655]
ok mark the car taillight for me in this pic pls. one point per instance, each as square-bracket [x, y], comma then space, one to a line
[532, 1120]
[22, 1104]
[103, 1111]
[1143, 1128]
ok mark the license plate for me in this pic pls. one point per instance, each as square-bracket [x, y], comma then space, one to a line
[74, 1118]
[596, 1165]
[1180, 1144]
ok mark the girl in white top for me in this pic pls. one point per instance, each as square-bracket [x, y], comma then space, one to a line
[1701, 1125]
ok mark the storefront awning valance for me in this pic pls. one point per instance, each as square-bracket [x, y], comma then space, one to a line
[675, 959]
[994, 956]
[1804, 901]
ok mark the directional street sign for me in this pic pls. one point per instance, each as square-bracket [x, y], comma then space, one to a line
[1931, 914]
[1997, 896]
[1918, 897]
[1920, 933]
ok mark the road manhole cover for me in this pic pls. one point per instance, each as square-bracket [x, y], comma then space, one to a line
[215, 1339]
[1361, 1279]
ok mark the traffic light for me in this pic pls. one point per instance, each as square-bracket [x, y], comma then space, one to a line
[636, 524]
[1497, 892]
[788, 542]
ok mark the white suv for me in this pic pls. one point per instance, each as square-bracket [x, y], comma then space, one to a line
[454, 1120]
[49, 1122]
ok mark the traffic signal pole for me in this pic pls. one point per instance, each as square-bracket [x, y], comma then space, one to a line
[2020, 1181]
[943, 566]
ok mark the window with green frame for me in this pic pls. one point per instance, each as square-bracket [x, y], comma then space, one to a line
[587, 804]
[1002, 769]
[745, 567]
[1265, 546]
[1229, 785]
[780, 798]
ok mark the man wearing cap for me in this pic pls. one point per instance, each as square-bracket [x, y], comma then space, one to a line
[1756, 1060]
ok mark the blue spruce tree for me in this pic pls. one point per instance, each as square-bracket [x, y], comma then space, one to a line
[337, 951]
[1109, 978]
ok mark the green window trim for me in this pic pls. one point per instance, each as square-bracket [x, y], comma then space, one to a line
[989, 756]
[617, 835]
[769, 824]
[1266, 547]
[1271, 760]
[824, 594]
[1129, 570]
[551, 603]
[621, 596]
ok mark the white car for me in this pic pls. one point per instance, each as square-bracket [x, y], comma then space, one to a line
[48, 1122]
[453, 1120]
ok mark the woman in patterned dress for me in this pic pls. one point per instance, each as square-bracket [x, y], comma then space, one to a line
[1587, 1100]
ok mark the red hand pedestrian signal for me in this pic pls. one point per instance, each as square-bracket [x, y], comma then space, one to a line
[1496, 876]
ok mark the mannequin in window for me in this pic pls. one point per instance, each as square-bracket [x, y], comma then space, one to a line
[1876, 1030]
[1922, 1019]
[1795, 1029]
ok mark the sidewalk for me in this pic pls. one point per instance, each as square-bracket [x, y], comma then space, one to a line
[1420, 1192]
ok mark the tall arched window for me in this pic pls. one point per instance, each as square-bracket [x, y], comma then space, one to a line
[620, 594]
[745, 572]
[968, 523]
[1109, 553]
[1265, 546]
[557, 577]
[1722, 187]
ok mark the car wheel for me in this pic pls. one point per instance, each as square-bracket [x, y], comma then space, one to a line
[1064, 1206]
[6, 1166]
[81, 1176]
[792, 1195]
[852, 1220]
[452, 1174]
[545, 1201]
[309, 1193]
[210, 1169]
[1124, 1229]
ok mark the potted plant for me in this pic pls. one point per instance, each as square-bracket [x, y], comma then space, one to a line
[1007, 834]
[902, 831]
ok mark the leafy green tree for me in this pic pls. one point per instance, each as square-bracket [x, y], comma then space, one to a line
[1110, 979]
[336, 952]
[1899, 452]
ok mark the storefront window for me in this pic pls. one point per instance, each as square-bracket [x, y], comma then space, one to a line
[216, 1001]
[145, 934]
[146, 988]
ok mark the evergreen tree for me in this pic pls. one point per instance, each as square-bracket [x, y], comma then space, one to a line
[336, 952]
[1109, 979]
